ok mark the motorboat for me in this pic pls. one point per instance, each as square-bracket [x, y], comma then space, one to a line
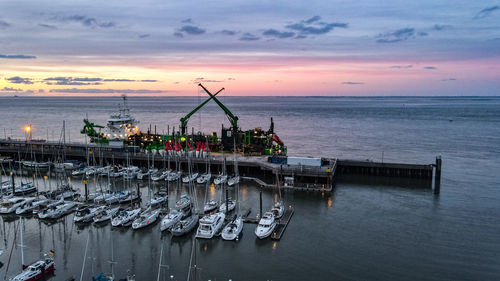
[189, 178]
[209, 225]
[220, 179]
[266, 225]
[125, 217]
[233, 229]
[278, 209]
[116, 197]
[231, 205]
[106, 214]
[184, 226]
[204, 178]
[234, 180]
[10, 205]
[210, 206]
[86, 213]
[173, 217]
[36, 270]
[24, 188]
[146, 218]
[183, 203]
[57, 211]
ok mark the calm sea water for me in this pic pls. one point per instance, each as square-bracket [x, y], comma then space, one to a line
[365, 230]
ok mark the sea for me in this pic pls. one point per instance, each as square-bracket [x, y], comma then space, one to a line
[366, 229]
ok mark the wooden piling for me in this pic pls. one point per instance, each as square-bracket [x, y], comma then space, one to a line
[437, 177]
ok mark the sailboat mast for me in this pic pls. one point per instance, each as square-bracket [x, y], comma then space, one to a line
[21, 233]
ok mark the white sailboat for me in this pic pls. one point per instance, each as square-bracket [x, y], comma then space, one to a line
[106, 214]
[233, 229]
[169, 220]
[231, 205]
[189, 178]
[10, 205]
[86, 214]
[146, 218]
[210, 206]
[125, 217]
[57, 211]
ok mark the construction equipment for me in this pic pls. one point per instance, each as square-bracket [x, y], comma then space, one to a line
[184, 120]
[96, 137]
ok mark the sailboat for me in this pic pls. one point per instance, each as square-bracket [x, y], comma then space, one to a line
[278, 207]
[222, 177]
[106, 214]
[173, 217]
[204, 178]
[36, 270]
[233, 229]
[146, 218]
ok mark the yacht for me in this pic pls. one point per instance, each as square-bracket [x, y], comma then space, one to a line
[210, 206]
[189, 178]
[125, 217]
[234, 180]
[106, 214]
[116, 197]
[36, 270]
[278, 209]
[210, 225]
[158, 199]
[159, 175]
[147, 218]
[86, 213]
[24, 188]
[220, 179]
[204, 178]
[184, 226]
[121, 124]
[183, 203]
[174, 176]
[266, 225]
[231, 205]
[173, 217]
[27, 206]
[10, 205]
[57, 211]
[233, 229]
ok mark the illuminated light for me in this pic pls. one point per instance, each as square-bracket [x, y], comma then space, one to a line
[330, 202]
[44, 177]
[27, 128]
[275, 244]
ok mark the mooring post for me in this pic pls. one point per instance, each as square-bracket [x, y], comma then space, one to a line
[13, 183]
[86, 189]
[227, 201]
[138, 194]
[260, 205]
[437, 177]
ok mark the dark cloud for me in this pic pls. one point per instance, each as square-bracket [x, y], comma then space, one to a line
[143, 36]
[149, 80]
[278, 34]
[313, 19]
[352, 83]
[85, 21]
[8, 89]
[301, 36]
[16, 57]
[4, 24]
[402, 66]
[48, 26]
[439, 27]
[396, 36]
[178, 34]
[118, 80]
[201, 79]
[87, 79]
[313, 26]
[430, 67]
[189, 20]
[228, 32]
[422, 33]
[248, 37]
[449, 79]
[486, 12]
[19, 80]
[192, 30]
[106, 91]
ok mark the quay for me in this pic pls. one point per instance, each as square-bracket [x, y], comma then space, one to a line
[256, 168]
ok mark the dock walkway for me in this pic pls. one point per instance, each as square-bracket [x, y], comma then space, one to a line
[282, 224]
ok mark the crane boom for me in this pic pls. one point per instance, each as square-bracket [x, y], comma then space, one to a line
[232, 118]
[185, 119]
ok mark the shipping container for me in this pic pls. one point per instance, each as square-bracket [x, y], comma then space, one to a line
[304, 161]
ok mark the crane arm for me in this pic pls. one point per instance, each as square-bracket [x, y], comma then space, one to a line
[185, 119]
[232, 118]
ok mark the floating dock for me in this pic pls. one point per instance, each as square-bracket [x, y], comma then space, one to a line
[282, 224]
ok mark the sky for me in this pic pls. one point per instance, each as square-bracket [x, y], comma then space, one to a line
[318, 48]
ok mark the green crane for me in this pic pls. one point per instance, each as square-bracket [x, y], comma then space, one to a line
[232, 118]
[184, 120]
[89, 130]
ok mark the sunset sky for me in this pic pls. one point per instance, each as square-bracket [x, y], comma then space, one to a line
[337, 48]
